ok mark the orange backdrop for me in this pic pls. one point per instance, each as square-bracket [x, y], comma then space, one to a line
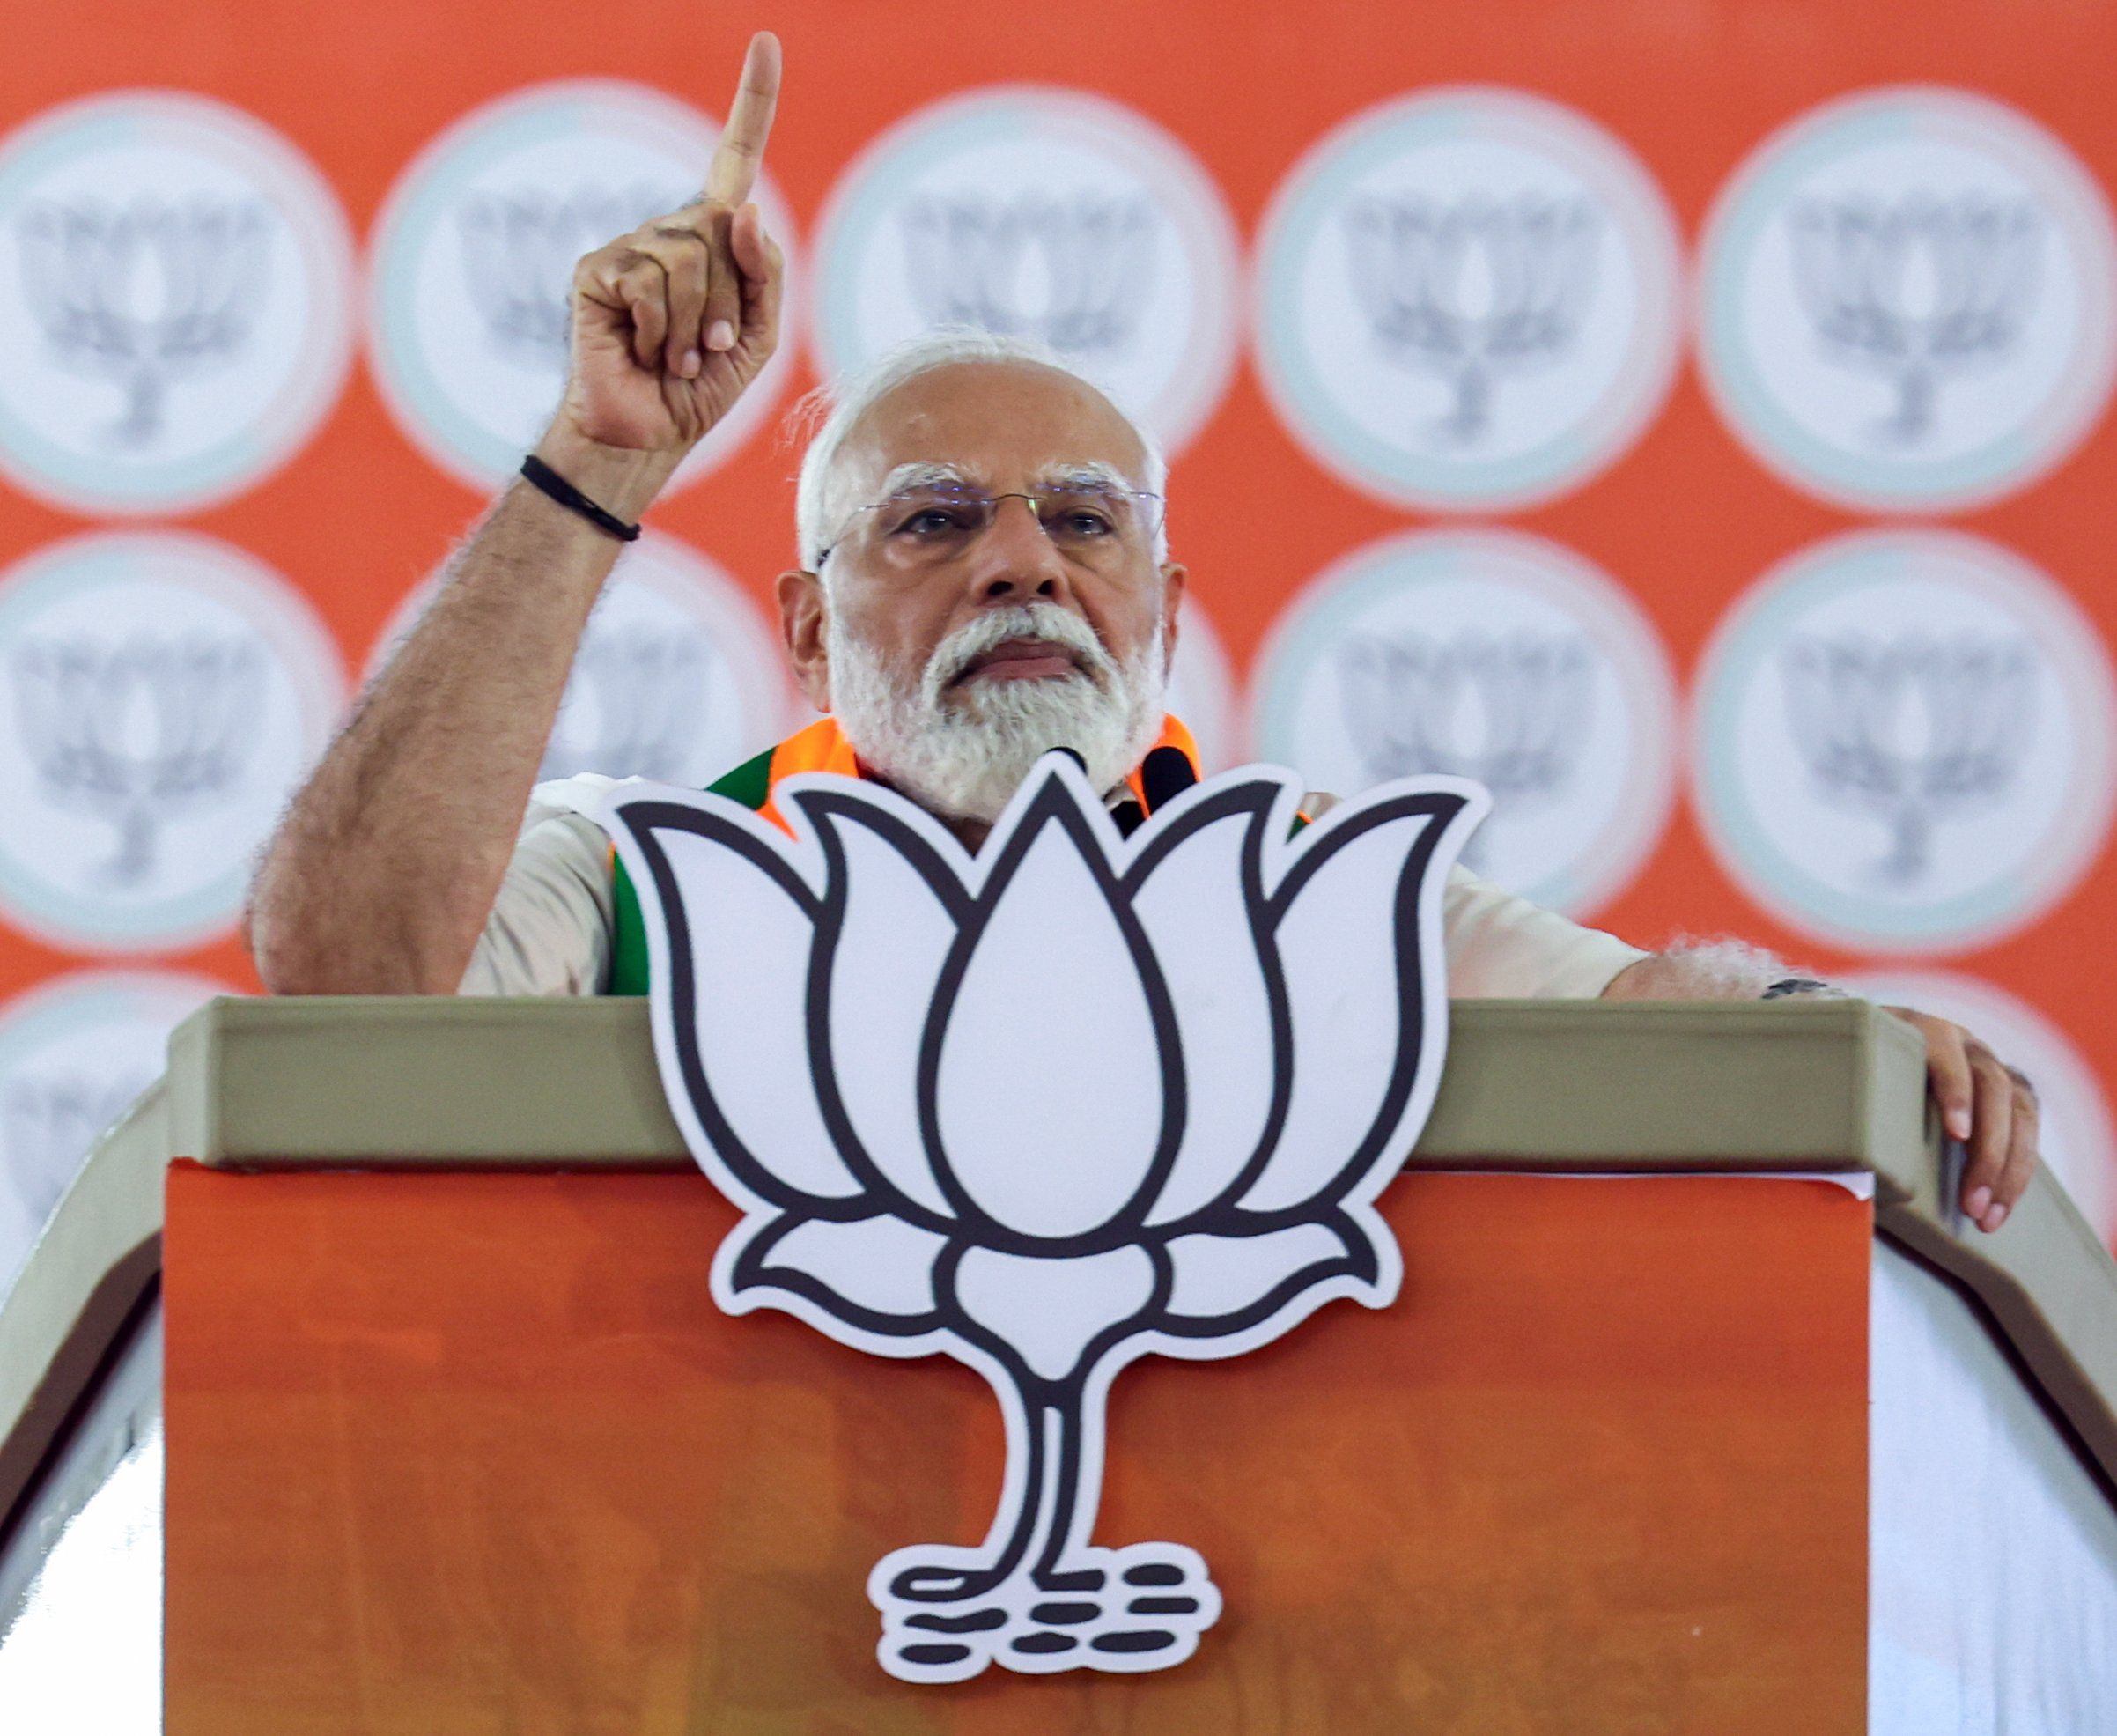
[1686, 520]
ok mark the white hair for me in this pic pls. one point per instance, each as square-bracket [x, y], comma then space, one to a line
[820, 506]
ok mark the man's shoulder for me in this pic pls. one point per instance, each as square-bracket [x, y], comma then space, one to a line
[577, 801]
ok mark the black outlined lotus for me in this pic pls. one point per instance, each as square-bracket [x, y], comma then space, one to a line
[1046, 1111]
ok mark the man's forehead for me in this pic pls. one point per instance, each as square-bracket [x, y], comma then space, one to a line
[1084, 473]
[988, 423]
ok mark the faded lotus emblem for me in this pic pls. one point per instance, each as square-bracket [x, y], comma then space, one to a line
[520, 247]
[1919, 291]
[1912, 730]
[1512, 711]
[139, 733]
[1073, 273]
[1473, 292]
[146, 293]
[634, 705]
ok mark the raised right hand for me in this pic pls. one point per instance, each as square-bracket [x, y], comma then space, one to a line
[673, 321]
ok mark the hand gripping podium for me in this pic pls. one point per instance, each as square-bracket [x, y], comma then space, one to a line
[1698, 1411]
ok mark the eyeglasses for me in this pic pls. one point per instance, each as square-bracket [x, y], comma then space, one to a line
[936, 522]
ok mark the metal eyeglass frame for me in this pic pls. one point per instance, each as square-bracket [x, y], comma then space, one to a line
[1032, 496]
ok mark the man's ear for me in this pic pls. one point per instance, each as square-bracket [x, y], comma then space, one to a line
[1174, 576]
[803, 613]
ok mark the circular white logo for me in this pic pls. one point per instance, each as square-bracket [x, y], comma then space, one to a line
[160, 696]
[474, 257]
[1045, 214]
[1490, 655]
[2072, 1123]
[1904, 740]
[1201, 688]
[1910, 301]
[1467, 300]
[677, 677]
[175, 283]
[74, 1053]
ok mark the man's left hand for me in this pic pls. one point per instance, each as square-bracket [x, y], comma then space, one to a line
[1989, 1106]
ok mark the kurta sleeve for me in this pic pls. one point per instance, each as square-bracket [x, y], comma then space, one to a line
[1501, 945]
[550, 929]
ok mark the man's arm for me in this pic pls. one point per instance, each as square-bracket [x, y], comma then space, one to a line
[1983, 1102]
[381, 877]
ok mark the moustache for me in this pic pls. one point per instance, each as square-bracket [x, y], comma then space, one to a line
[1040, 623]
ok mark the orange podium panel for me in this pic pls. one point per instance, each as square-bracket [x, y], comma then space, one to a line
[476, 1454]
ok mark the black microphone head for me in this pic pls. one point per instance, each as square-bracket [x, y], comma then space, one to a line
[1165, 775]
[1073, 754]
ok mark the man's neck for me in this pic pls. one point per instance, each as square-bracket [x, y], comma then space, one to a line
[972, 834]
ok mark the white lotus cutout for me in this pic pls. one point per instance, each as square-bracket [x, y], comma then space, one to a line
[1047, 1110]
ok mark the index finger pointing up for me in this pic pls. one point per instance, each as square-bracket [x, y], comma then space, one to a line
[741, 148]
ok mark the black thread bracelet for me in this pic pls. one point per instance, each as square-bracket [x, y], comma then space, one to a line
[543, 476]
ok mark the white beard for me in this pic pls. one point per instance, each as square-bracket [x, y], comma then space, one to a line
[962, 752]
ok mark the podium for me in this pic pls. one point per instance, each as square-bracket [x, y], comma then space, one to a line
[415, 1294]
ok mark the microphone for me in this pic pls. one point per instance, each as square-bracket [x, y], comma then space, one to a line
[1165, 775]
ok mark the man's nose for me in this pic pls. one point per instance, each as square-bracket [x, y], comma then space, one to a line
[1014, 559]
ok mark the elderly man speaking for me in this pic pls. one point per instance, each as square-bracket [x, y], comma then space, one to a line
[985, 577]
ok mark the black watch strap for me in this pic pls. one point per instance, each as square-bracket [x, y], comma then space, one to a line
[1787, 986]
[560, 489]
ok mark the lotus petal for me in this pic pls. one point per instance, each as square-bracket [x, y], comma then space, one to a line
[1049, 1093]
[1226, 1282]
[748, 1010]
[876, 1273]
[1347, 945]
[1192, 906]
[1049, 1311]
[894, 937]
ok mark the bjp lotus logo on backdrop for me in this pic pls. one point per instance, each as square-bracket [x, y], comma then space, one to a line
[175, 281]
[1467, 300]
[74, 1053]
[473, 255]
[160, 696]
[1041, 213]
[1047, 1110]
[1910, 301]
[1494, 657]
[676, 679]
[1904, 741]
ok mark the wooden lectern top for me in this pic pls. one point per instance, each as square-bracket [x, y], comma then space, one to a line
[1535, 1086]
